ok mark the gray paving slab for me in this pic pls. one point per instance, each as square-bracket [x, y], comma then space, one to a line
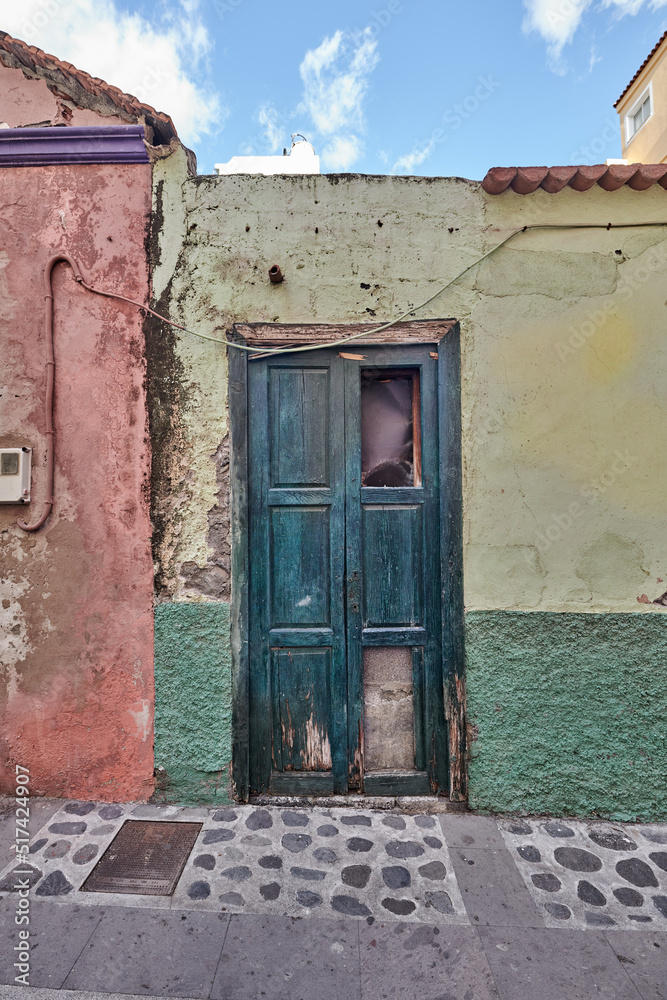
[644, 958]
[57, 938]
[428, 962]
[466, 830]
[278, 958]
[547, 964]
[492, 889]
[169, 952]
[42, 993]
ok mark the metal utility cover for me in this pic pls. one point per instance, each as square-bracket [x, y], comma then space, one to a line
[146, 857]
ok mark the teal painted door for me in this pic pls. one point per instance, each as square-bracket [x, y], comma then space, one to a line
[346, 679]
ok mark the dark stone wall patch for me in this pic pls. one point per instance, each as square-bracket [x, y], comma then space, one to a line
[270, 891]
[434, 870]
[350, 906]
[260, 819]
[440, 901]
[199, 890]
[404, 849]
[356, 875]
[555, 829]
[577, 860]
[396, 877]
[359, 844]
[85, 854]
[612, 840]
[629, 897]
[55, 884]
[547, 882]
[558, 910]
[296, 842]
[72, 829]
[637, 872]
[529, 853]
[294, 818]
[218, 836]
[399, 906]
[589, 893]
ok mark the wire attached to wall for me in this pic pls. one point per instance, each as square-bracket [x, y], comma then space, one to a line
[263, 351]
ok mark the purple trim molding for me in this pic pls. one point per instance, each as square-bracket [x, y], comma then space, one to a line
[41, 147]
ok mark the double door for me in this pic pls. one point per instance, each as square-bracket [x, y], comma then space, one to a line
[345, 596]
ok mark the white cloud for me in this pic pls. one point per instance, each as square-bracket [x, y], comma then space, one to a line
[335, 79]
[558, 20]
[270, 120]
[341, 152]
[153, 63]
[407, 163]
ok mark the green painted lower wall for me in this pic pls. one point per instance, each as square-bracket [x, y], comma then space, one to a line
[569, 713]
[193, 708]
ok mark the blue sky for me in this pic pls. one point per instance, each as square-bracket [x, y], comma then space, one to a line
[392, 86]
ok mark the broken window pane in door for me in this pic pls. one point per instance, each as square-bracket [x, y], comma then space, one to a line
[390, 428]
[389, 718]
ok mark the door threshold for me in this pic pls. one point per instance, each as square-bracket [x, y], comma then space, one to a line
[406, 803]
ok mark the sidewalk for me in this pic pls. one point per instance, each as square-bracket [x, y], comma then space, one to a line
[355, 903]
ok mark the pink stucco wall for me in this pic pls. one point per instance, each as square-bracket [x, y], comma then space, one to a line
[76, 627]
[31, 102]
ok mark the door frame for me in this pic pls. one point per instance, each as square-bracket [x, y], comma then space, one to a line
[444, 335]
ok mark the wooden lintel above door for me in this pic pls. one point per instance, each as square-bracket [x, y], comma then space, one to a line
[420, 331]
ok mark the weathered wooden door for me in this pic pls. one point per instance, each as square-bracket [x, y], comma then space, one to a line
[345, 597]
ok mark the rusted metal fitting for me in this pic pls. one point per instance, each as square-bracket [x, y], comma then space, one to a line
[275, 274]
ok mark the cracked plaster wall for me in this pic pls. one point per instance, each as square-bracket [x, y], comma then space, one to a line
[76, 624]
[564, 369]
[32, 102]
[564, 362]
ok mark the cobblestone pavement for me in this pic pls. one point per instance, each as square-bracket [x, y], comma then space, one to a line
[266, 860]
[592, 874]
[287, 903]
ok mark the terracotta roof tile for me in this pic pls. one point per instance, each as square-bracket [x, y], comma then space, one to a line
[525, 180]
[69, 80]
[645, 63]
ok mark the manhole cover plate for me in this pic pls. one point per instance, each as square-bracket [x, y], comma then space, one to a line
[146, 857]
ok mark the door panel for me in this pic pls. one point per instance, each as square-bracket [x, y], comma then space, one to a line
[302, 697]
[392, 564]
[300, 566]
[298, 688]
[299, 431]
[392, 553]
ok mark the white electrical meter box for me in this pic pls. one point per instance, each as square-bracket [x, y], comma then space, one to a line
[15, 475]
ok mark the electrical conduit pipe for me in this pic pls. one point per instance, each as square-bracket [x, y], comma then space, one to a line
[60, 258]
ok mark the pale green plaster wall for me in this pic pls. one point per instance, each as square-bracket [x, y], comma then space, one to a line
[567, 713]
[192, 702]
[564, 397]
[564, 361]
